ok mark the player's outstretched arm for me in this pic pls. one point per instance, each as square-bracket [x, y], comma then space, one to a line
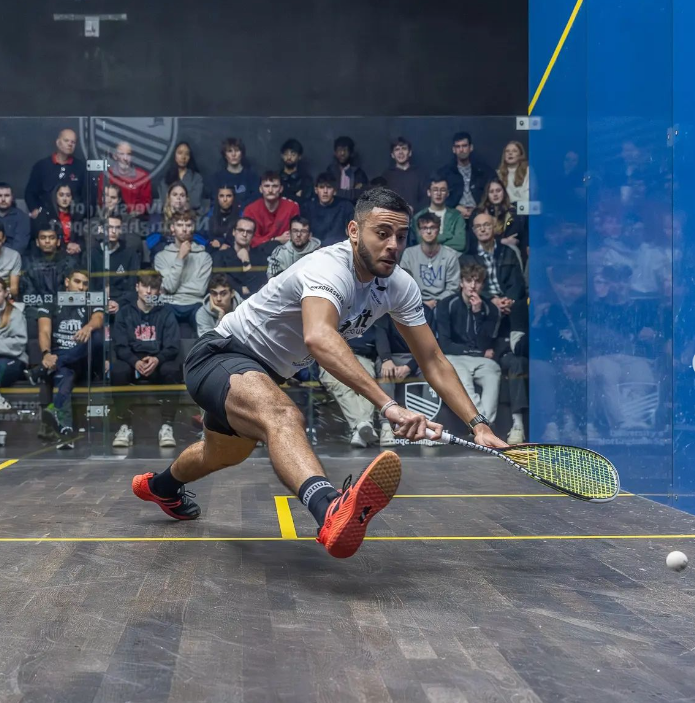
[320, 319]
[442, 376]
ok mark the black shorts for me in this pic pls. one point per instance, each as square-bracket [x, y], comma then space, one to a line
[208, 366]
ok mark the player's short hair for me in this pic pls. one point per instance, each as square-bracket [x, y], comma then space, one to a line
[400, 141]
[460, 136]
[270, 176]
[346, 142]
[429, 217]
[292, 145]
[473, 272]
[233, 143]
[220, 280]
[298, 219]
[150, 278]
[326, 179]
[382, 198]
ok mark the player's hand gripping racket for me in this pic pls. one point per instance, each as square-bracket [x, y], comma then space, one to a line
[579, 473]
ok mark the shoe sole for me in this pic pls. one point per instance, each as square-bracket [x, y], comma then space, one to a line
[368, 435]
[166, 444]
[122, 444]
[142, 490]
[372, 492]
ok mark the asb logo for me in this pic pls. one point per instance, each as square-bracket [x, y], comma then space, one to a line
[421, 398]
[152, 139]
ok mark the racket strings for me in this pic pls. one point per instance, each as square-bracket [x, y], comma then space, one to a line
[578, 471]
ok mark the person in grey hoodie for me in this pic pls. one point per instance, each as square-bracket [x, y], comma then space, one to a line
[435, 267]
[13, 342]
[301, 243]
[185, 267]
[220, 300]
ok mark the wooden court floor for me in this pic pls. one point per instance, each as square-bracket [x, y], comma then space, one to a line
[477, 585]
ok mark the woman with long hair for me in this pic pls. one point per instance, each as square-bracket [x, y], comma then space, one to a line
[183, 169]
[13, 342]
[514, 171]
[221, 219]
[65, 218]
[510, 228]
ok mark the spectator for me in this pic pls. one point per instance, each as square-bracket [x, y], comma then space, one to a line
[466, 180]
[244, 181]
[185, 267]
[220, 300]
[514, 172]
[132, 229]
[301, 243]
[271, 213]
[351, 179]
[510, 228]
[65, 332]
[434, 267]
[10, 265]
[134, 182]
[15, 223]
[403, 177]
[466, 326]
[146, 341]
[183, 169]
[60, 167]
[63, 216]
[245, 266]
[13, 342]
[504, 283]
[452, 231]
[175, 204]
[296, 182]
[328, 214]
[112, 260]
[357, 411]
[219, 226]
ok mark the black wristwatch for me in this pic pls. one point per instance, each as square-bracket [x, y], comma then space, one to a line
[477, 420]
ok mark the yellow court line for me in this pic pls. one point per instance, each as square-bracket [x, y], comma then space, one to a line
[7, 463]
[556, 53]
[287, 530]
[467, 538]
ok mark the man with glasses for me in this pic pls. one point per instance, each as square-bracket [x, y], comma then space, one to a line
[301, 243]
[452, 231]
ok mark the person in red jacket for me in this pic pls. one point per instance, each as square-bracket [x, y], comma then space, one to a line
[272, 213]
[134, 182]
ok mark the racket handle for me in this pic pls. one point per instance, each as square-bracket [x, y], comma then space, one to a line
[445, 438]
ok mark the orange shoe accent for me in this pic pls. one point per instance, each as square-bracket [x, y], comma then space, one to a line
[349, 514]
[171, 506]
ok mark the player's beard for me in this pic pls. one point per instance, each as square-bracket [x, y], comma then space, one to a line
[368, 261]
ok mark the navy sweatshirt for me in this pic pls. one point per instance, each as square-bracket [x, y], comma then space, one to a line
[47, 174]
[137, 334]
[329, 222]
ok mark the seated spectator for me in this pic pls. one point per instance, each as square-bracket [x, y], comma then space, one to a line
[64, 335]
[246, 266]
[434, 267]
[183, 169]
[510, 228]
[395, 363]
[61, 167]
[133, 230]
[358, 411]
[466, 326]
[220, 300]
[350, 179]
[328, 214]
[514, 172]
[13, 342]
[452, 231]
[220, 221]
[185, 267]
[15, 223]
[146, 342]
[504, 283]
[113, 264]
[466, 180]
[10, 265]
[271, 213]
[244, 181]
[134, 182]
[301, 243]
[63, 216]
[297, 184]
[403, 177]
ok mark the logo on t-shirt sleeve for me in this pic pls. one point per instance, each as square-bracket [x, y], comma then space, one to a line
[331, 290]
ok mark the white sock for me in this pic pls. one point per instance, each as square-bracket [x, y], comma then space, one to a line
[518, 421]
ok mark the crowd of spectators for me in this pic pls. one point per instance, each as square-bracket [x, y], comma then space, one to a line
[121, 270]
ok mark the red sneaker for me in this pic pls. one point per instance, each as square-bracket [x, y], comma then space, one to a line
[181, 507]
[349, 514]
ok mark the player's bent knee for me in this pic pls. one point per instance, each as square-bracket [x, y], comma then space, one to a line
[284, 416]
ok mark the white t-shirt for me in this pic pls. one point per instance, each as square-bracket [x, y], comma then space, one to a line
[269, 323]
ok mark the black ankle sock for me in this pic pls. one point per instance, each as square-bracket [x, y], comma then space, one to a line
[317, 493]
[164, 485]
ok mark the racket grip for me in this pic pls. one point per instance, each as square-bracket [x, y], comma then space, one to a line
[445, 438]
